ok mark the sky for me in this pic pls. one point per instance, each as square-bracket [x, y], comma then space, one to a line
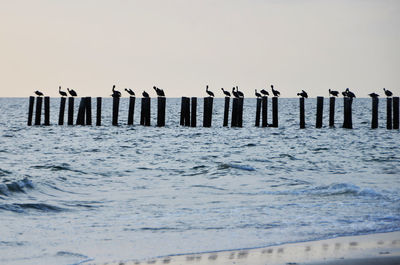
[183, 45]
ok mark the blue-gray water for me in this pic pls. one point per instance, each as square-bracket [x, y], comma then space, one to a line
[73, 194]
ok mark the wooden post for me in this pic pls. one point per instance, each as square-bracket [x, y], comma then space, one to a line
[332, 112]
[70, 111]
[389, 124]
[30, 110]
[115, 111]
[193, 112]
[161, 102]
[264, 112]
[375, 103]
[88, 110]
[131, 110]
[258, 112]
[302, 115]
[347, 120]
[226, 111]
[235, 110]
[240, 112]
[47, 111]
[320, 108]
[396, 113]
[207, 115]
[274, 112]
[186, 116]
[98, 112]
[145, 112]
[62, 111]
[38, 114]
[182, 120]
[80, 120]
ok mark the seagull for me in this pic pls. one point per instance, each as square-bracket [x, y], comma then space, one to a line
[72, 92]
[62, 93]
[333, 93]
[388, 93]
[37, 92]
[227, 94]
[258, 95]
[275, 92]
[303, 94]
[130, 91]
[373, 95]
[211, 94]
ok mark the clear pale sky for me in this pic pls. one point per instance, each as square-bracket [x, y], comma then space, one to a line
[183, 45]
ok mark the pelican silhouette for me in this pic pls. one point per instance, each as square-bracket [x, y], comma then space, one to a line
[333, 93]
[349, 93]
[234, 93]
[72, 92]
[211, 94]
[264, 92]
[388, 93]
[159, 91]
[62, 93]
[240, 93]
[258, 95]
[145, 94]
[116, 93]
[276, 93]
[303, 94]
[226, 92]
[38, 93]
[130, 91]
[373, 95]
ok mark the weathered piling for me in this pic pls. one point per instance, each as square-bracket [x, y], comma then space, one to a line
[38, 114]
[240, 112]
[389, 120]
[62, 111]
[226, 111]
[185, 111]
[88, 110]
[98, 111]
[47, 111]
[235, 110]
[131, 110]
[302, 116]
[258, 112]
[161, 103]
[70, 111]
[374, 122]
[145, 112]
[347, 120]
[332, 112]
[30, 110]
[396, 113]
[274, 112]
[207, 114]
[264, 112]
[80, 119]
[115, 111]
[193, 112]
[320, 108]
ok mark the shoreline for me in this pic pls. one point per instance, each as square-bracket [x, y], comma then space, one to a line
[378, 248]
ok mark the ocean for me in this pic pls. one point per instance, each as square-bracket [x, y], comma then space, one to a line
[74, 194]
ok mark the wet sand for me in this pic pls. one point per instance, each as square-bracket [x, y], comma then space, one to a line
[376, 249]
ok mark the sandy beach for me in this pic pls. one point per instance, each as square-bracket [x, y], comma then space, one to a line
[382, 248]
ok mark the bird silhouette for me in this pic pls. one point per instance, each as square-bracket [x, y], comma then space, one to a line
[276, 93]
[211, 94]
[240, 93]
[130, 91]
[388, 93]
[62, 93]
[116, 93]
[38, 93]
[303, 94]
[333, 93]
[258, 95]
[373, 95]
[227, 94]
[234, 93]
[159, 91]
[145, 94]
[349, 93]
[72, 92]
[264, 92]
[344, 93]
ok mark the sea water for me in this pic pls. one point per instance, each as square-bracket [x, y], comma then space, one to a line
[72, 194]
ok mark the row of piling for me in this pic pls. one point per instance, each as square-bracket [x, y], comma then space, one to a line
[189, 112]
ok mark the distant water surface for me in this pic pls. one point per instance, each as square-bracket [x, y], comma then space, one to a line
[75, 194]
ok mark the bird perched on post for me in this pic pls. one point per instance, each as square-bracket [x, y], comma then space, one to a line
[234, 93]
[334, 93]
[227, 94]
[349, 93]
[159, 91]
[276, 93]
[145, 94]
[258, 95]
[38, 93]
[72, 92]
[264, 92]
[130, 91]
[211, 94]
[388, 93]
[62, 93]
[303, 94]
[240, 93]
[116, 93]
[373, 95]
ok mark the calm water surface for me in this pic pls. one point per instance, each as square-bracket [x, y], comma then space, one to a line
[75, 194]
